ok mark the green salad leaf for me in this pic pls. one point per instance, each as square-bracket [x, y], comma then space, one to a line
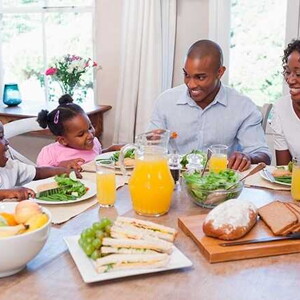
[115, 156]
[68, 188]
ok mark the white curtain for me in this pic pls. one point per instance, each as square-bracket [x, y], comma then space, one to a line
[148, 43]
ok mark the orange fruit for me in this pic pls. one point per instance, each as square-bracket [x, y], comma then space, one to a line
[10, 218]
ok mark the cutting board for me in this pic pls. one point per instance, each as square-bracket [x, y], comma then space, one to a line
[209, 247]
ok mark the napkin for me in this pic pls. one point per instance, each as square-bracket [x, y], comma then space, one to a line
[257, 180]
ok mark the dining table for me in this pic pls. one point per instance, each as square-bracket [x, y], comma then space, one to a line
[52, 274]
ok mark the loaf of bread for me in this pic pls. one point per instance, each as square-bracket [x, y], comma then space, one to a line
[230, 220]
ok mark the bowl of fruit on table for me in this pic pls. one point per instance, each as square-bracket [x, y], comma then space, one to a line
[212, 188]
[24, 230]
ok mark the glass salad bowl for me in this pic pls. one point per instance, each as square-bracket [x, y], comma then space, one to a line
[213, 188]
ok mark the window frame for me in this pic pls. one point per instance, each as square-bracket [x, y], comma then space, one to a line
[43, 10]
[219, 27]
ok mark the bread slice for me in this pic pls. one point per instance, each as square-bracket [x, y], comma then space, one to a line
[296, 210]
[277, 216]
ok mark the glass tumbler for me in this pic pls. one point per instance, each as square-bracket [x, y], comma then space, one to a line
[295, 188]
[106, 184]
[218, 159]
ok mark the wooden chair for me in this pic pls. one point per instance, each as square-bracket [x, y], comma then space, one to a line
[18, 127]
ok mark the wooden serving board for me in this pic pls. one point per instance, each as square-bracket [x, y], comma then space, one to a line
[209, 247]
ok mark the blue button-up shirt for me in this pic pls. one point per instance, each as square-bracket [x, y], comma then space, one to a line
[231, 119]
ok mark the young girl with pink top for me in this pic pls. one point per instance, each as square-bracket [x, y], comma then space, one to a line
[75, 136]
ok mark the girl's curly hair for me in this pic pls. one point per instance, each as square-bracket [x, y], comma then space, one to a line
[294, 45]
[55, 119]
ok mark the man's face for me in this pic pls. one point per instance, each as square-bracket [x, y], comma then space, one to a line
[3, 147]
[292, 75]
[79, 133]
[202, 77]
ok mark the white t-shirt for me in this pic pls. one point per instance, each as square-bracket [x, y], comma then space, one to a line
[16, 173]
[286, 127]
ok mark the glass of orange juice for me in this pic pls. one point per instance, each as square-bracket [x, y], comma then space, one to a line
[295, 189]
[218, 159]
[106, 184]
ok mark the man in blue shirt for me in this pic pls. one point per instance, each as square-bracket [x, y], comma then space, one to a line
[204, 112]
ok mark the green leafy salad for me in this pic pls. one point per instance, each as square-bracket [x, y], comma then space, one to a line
[68, 189]
[115, 156]
[184, 160]
[200, 188]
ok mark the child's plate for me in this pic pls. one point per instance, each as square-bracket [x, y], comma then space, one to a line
[91, 192]
[107, 157]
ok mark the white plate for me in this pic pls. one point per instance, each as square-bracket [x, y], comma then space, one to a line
[90, 193]
[88, 271]
[270, 169]
[108, 156]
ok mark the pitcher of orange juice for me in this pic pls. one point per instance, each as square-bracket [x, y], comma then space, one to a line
[151, 183]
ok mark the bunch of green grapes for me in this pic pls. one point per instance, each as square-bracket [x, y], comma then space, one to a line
[91, 238]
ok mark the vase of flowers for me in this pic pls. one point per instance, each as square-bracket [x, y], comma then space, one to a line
[68, 72]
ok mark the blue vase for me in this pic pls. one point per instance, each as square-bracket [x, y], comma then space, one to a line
[11, 94]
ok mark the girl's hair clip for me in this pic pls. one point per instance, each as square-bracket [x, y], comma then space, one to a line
[56, 117]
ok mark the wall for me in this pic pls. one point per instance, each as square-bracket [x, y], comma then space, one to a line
[192, 25]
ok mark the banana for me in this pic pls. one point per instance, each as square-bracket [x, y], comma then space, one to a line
[7, 231]
[36, 221]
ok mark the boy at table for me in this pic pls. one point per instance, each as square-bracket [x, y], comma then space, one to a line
[204, 112]
[13, 174]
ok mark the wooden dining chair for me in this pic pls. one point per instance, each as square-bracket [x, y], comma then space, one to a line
[16, 128]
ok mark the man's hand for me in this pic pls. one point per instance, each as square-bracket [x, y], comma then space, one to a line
[239, 161]
[20, 193]
[74, 164]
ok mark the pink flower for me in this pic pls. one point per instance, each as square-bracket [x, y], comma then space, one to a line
[95, 64]
[51, 71]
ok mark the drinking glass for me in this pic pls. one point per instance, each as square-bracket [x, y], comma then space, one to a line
[295, 189]
[218, 160]
[106, 184]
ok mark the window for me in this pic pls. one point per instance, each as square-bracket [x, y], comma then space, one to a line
[34, 32]
[253, 35]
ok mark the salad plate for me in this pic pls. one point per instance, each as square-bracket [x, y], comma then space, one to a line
[88, 184]
[110, 156]
[272, 179]
[89, 274]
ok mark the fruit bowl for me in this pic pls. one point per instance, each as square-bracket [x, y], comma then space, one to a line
[17, 250]
[211, 189]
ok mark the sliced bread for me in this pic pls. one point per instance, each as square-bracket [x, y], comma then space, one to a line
[278, 217]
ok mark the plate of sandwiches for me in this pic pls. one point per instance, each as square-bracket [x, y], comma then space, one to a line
[107, 157]
[134, 247]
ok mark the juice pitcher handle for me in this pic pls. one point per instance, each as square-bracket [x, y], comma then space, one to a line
[123, 151]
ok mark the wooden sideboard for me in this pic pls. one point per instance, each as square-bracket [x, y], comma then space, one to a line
[28, 109]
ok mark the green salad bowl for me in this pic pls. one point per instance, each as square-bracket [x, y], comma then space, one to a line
[212, 189]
